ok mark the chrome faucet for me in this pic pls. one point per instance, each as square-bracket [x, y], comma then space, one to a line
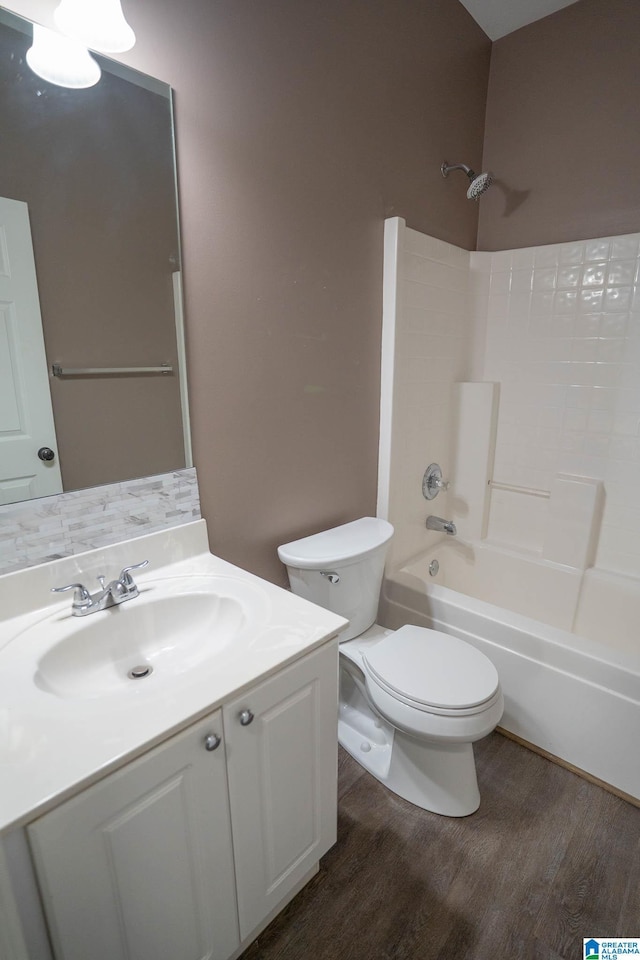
[443, 526]
[111, 594]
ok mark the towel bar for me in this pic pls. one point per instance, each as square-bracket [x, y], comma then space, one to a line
[60, 371]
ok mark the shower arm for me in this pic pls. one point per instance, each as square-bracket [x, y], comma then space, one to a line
[446, 169]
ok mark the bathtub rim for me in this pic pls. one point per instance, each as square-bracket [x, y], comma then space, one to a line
[607, 667]
[545, 684]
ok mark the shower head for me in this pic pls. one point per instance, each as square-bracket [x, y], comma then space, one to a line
[479, 185]
[480, 182]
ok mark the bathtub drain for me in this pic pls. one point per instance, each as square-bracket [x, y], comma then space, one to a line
[137, 673]
[434, 566]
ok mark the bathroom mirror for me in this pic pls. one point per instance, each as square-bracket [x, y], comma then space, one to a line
[93, 171]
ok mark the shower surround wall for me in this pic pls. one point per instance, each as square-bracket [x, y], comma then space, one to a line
[562, 327]
[425, 351]
[558, 328]
[554, 334]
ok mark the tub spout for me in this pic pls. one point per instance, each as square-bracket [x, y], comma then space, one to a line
[443, 526]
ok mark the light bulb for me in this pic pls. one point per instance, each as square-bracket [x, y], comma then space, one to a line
[99, 24]
[61, 60]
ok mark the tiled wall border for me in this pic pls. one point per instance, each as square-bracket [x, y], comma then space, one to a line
[36, 531]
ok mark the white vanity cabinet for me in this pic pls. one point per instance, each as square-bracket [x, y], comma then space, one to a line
[188, 851]
[141, 864]
[282, 768]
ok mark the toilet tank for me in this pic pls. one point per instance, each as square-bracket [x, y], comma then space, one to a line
[341, 569]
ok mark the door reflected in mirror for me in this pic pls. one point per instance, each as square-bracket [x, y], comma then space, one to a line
[89, 279]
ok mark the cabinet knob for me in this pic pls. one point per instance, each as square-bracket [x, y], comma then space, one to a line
[212, 741]
[246, 718]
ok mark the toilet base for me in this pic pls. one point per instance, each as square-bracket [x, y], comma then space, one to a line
[436, 777]
[439, 776]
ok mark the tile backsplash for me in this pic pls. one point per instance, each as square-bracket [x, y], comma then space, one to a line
[36, 531]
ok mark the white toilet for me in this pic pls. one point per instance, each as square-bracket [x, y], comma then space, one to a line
[413, 700]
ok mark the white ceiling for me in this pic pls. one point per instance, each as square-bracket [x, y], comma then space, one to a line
[500, 17]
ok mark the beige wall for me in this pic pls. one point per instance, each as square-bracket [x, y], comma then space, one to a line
[562, 131]
[301, 125]
[324, 118]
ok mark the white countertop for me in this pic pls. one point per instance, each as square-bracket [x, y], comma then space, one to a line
[52, 746]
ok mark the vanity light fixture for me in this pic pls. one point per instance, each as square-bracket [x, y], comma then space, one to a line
[99, 24]
[61, 60]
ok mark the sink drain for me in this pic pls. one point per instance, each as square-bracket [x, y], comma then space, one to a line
[137, 673]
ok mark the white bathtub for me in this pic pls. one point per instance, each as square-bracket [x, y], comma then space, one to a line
[575, 696]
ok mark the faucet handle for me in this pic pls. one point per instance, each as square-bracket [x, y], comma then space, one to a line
[432, 482]
[81, 596]
[125, 574]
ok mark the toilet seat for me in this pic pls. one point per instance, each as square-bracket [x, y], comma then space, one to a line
[432, 672]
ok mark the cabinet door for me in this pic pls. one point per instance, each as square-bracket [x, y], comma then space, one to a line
[282, 768]
[140, 866]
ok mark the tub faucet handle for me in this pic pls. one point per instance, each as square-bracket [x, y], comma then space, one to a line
[432, 482]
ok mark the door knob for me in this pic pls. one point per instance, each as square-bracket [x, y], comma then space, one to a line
[46, 454]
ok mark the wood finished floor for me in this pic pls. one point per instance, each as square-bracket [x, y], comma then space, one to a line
[547, 860]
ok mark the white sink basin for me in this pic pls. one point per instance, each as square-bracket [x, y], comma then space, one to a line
[174, 626]
[69, 713]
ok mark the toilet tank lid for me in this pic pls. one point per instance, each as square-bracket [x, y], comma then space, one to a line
[346, 542]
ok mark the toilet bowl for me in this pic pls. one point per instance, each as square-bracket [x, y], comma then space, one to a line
[413, 700]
